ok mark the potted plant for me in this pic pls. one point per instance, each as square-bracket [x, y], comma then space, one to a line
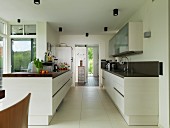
[38, 64]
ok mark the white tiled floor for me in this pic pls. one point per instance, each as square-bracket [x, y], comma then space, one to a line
[88, 107]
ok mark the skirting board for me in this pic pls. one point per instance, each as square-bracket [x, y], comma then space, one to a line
[39, 120]
[143, 120]
[160, 126]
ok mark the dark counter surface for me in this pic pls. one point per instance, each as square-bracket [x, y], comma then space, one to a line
[29, 74]
[129, 74]
[2, 93]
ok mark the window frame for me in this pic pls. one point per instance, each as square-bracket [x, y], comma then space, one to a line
[4, 36]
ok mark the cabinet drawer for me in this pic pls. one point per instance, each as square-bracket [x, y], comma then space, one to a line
[118, 79]
[119, 87]
[56, 101]
[60, 81]
[119, 100]
[60, 95]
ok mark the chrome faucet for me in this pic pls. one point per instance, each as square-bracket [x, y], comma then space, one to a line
[127, 61]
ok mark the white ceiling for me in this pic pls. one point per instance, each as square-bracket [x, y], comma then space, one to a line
[74, 16]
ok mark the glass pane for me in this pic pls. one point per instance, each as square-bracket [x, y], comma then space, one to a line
[16, 29]
[30, 30]
[2, 28]
[1, 59]
[23, 52]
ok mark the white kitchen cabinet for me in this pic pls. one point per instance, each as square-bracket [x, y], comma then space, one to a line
[128, 39]
[46, 94]
[137, 98]
[64, 55]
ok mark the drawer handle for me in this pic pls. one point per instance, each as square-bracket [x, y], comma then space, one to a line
[119, 92]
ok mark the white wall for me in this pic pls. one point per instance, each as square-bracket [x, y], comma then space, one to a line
[41, 43]
[101, 40]
[45, 34]
[95, 61]
[52, 35]
[155, 19]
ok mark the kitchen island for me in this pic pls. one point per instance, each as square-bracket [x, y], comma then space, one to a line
[47, 92]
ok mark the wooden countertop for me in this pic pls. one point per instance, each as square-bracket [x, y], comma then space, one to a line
[28, 74]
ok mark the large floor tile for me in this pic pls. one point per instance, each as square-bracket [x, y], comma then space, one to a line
[64, 124]
[67, 114]
[94, 114]
[92, 105]
[39, 127]
[95, 124]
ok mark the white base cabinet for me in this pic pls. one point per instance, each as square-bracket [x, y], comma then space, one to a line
[46, 94]
[137, 98]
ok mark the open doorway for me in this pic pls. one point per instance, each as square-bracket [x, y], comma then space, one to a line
[90, 61]
[93, 65]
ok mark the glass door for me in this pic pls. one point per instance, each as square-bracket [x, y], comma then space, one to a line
[23, 51]
[1, 58]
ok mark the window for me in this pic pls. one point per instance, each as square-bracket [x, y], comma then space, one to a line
[23, 51]
[1, 58]
[23, 29]
[29, 29]
[2, 28]
[3, 38]
[16, 29]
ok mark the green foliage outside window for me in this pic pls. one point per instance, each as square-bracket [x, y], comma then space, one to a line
[90, 60]
[21, 60]
[1, 62]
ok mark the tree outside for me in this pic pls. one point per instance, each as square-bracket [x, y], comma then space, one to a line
[90, 60]
[23, 52]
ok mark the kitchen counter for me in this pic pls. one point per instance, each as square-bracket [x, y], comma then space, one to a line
[129, 74]
[47, 92]
[29, 74]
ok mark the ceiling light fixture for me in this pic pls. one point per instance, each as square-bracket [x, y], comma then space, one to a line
[105, 29]
[18, 20]
[115, 12]
[60, 29]
[87, 34]
[37, 2]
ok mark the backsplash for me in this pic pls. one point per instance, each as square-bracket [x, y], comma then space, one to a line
[144, 67]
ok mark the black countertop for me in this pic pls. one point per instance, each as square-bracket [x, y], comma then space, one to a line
[28, 74]
[129, 74]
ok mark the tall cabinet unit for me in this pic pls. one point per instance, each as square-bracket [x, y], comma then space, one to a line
[81, 74]
[128, 40]
[64, 55]
[81, 57]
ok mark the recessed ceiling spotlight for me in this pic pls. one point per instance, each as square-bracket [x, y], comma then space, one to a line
[115, 12]
[18, 20]
[105, 29]
[60, 29]
[37, 2]
[87, 34]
